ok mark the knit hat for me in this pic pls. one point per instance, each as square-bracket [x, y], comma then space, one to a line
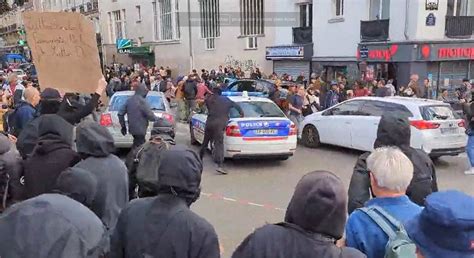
[50, 94]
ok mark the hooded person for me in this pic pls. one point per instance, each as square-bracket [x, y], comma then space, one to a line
[139, 113]
[96, 145]
[11, 168]
[55, 225]
[164, 226]
[51, 155]
[314, 221]
[142, 161]
[394, 130]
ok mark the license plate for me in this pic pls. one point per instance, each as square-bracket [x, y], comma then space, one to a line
[449, 130]
[266, 131]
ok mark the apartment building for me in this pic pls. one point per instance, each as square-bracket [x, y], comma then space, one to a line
[192, 34]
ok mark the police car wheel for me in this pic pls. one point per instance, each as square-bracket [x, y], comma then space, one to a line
[191, 132]
[310, 137]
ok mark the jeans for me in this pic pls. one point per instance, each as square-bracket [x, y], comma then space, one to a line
[214, 133]
[190, 107]
[470, 150]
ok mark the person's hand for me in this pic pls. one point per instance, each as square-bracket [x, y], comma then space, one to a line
[101, 85]
[124, 131]
[12, 138]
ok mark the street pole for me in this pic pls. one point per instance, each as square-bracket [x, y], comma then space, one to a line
[191, 52]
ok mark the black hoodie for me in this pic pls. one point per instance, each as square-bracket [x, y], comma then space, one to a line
[164, 226]
[138, 112]
[96, 145]
[51, 155]
[315, 219]
[394, 130]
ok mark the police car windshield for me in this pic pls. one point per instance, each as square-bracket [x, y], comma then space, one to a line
[155, 102]
[257, 109]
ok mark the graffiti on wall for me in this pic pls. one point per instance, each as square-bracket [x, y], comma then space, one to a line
[245, 65]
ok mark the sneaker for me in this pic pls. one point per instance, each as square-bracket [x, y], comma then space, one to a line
[469, 172]
[221, 170]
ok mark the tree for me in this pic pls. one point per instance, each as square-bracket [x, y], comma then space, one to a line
[4, 7]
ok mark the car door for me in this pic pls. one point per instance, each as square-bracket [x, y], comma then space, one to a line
[335, 124]
[364, 129]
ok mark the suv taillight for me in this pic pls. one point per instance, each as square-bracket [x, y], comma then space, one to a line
[293, 130]
[424, 125]
[233, 131]
[462, 124]
[106, 120]
[168, 117]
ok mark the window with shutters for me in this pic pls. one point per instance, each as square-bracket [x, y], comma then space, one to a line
[210, 22]
[251, 17]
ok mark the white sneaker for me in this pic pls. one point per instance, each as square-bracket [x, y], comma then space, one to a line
[469, 172]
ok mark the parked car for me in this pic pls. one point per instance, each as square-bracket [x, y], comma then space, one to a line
[109, 118]
[264, 131]
[435, 128]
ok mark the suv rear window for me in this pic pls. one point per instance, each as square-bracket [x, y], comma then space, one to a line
[118, 101]
[257, 109]
[439, 112]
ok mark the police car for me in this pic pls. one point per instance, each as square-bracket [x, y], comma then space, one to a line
[264, 131]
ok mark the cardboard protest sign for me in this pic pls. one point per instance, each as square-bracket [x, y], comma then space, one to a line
[64, 50]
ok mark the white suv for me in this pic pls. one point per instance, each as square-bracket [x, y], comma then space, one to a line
[435, 128]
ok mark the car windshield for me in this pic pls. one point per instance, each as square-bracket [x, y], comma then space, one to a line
[257, 109]
[118, 101]
[437, 113]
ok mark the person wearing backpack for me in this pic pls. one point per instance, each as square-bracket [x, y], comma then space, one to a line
[24, 112]
[314, 221]
[190, 92]
[378, 228]
[142, 161]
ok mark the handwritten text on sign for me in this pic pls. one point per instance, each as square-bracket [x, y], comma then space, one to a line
[64, 50]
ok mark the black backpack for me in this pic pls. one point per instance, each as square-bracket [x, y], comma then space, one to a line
[190, 90]
[147, 160]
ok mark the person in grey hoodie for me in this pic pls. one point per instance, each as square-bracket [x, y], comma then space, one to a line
[139, 114]
[96, 145]
[54, 225]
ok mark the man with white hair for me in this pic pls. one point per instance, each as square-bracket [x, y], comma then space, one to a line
[390, 174]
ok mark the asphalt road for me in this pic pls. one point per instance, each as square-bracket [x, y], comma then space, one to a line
[256, 192]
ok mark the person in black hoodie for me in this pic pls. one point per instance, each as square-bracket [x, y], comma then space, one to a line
[11, 170]
[164, 226]
[139, 114]
[96, 145]
[314, 221]
[51, 155]
[394, 130]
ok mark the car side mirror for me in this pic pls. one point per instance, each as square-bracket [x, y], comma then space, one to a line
[329, 112]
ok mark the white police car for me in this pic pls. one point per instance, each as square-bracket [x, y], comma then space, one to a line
[264, 131]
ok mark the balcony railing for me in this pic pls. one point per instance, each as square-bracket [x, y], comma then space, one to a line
[459, 26]
[303, 35]
[376, 30]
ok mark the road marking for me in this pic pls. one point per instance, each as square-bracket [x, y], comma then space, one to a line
[214, 196]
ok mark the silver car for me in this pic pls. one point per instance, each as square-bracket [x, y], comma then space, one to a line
[109, 118]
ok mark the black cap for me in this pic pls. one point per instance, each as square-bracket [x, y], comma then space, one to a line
[50, 94]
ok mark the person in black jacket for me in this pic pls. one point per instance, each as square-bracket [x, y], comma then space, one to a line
[218, 107]
[314, 221]
[139, 114]
[67, 108]
[190, 91]
[51, 155]
[164, 226]
[11, 169]
[394, 130]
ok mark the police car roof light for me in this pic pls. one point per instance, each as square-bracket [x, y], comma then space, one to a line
[245, 94]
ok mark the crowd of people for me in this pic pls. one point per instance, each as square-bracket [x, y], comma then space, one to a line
[66, 194]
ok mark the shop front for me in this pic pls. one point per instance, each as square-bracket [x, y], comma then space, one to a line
[445, 63]
[292, 60]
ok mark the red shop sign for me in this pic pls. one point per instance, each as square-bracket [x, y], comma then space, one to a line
[383, 54]
[457, 52]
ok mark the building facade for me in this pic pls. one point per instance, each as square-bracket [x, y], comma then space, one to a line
[11, 26]
[192, 34]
